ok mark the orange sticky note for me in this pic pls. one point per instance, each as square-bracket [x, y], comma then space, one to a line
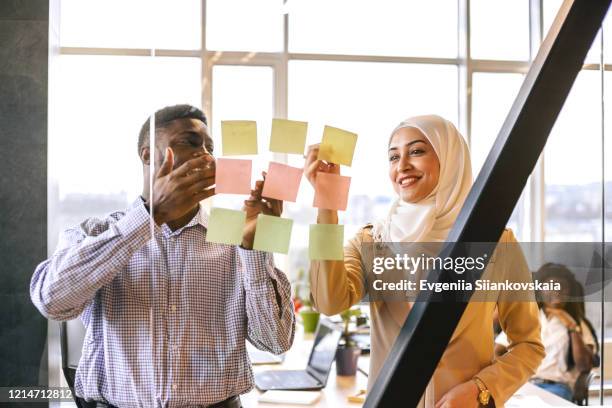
[233, 176]
[337, 146]
[331, 191]
[282, 182]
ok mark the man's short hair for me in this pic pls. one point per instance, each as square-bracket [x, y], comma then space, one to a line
[166, 115]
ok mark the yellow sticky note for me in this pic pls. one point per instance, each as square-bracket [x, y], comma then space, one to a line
[225, 226]
[239, 137]
[288, 136]
[337, 146]
[325, 242]
[272, 234]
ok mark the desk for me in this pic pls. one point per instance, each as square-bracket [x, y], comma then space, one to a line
[334, 395]
[529, 395]
[338, 388]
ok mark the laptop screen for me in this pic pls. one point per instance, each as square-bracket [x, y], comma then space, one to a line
[323, 350]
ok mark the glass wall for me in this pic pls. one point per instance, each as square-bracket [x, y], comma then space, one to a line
[352, 64]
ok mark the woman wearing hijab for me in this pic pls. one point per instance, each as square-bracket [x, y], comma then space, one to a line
[430, 170]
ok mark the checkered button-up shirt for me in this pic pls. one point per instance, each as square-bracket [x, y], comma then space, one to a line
[166, 318]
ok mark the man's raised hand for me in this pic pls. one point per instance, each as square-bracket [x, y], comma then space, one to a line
[255, 205]
[177, 191]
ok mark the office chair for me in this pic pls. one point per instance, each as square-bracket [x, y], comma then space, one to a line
[72, 335]
[581, 387]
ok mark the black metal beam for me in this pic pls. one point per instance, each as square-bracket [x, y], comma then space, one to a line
[430, 325]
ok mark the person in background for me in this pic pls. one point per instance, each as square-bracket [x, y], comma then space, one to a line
[567, 334]
[167, 316]
[430, 170]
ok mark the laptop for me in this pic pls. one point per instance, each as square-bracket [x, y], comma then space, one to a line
[319, 364]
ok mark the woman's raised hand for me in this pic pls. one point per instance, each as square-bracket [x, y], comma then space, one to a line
[312, 165]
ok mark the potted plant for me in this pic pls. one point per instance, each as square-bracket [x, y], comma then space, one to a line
[310, 317]
[348, 352]
[302, 303]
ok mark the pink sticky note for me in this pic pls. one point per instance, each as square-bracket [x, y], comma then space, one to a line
[331, 191]
[233, 176]
[282, 182]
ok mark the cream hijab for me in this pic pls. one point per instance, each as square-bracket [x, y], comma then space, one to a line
[431, 219]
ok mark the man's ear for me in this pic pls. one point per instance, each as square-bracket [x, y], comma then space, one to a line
[145, 155]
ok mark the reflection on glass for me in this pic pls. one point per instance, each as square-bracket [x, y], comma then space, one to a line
[367, 27]
[243, 93]
[244, 25]
[369, 99]
[500, 29]
[131, 24]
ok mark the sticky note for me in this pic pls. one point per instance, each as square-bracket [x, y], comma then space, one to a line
[282, 182]
[239, 137]
[233, 176]
[288, 136]
[337, 146]
[225, 226]
[272, 234]
[325, 242]
[331, 191]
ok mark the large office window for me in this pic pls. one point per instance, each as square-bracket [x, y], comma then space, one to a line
[492, 98]
[573, 166]
[244, 93]
[336, 93]
[500, 29]
[100, 104]
[244, 25]
[136, 24]
[367, 27]
[362, 65]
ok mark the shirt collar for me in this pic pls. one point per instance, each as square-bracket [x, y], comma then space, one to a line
[200, 218]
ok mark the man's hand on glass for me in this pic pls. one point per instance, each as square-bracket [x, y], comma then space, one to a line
[255, 205]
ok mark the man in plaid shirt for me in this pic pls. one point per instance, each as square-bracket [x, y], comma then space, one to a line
[166, 312]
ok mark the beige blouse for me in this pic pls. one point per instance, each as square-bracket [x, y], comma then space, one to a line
[337, 285]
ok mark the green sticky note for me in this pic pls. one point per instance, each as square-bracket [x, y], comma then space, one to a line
[272, 234]
[225, 226]
[325, 242]
[288, 136]
[239, 137]
[337, 146]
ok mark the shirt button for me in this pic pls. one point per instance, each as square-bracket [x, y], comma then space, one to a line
[173, 308]
[174, 386]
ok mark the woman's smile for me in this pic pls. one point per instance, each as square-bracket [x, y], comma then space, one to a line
[406, 182]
